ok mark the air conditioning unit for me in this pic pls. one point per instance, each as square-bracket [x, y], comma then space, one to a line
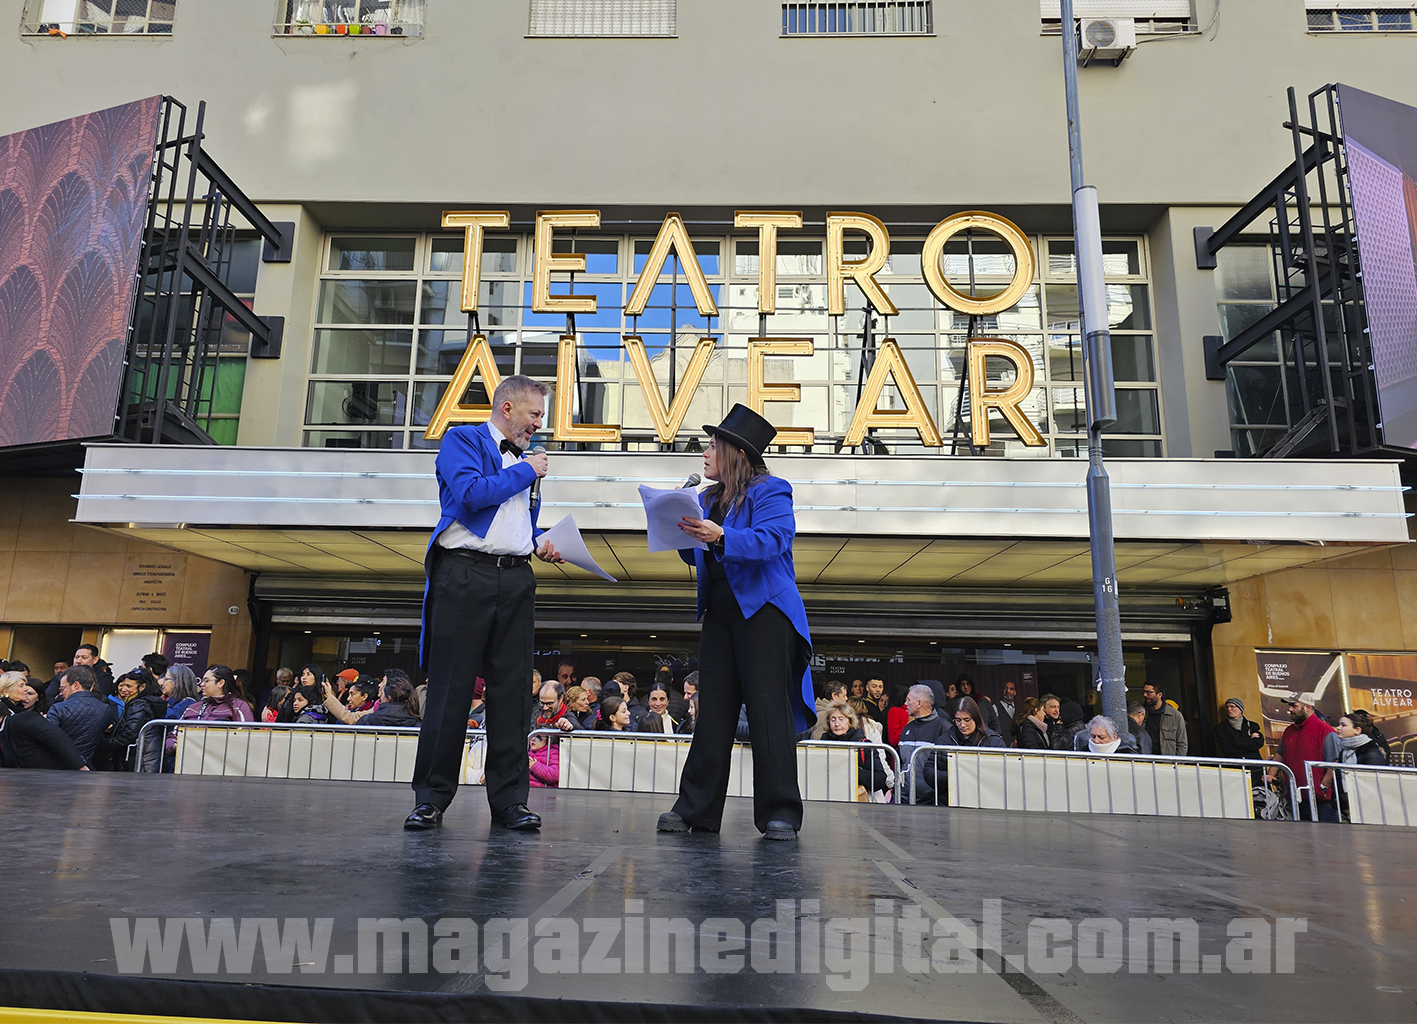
[1106, 39]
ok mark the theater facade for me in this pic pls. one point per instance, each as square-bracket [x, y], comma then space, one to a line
[866, 235]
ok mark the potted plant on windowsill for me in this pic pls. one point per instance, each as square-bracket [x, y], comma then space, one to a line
[302, 27]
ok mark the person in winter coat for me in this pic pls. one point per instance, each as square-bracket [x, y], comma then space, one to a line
[926, 727]
[146, 704]
[1358, 746]
[1031, 726]
[843, 725]
[1363, 719]
[221, 702]
[1074, 721]
[84, 716]
[304, 706]
[968, 728]
[27, 738]
[1166, 725]
[543, 761]
[398, 702]
[181, 689]
[1236, 736]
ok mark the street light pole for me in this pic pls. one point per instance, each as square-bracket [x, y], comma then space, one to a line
[1099, 395]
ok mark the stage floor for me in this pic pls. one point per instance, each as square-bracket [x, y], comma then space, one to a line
[90, 856]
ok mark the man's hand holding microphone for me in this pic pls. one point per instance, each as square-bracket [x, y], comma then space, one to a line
[538, 461]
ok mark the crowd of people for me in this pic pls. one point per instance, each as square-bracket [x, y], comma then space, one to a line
[85, 718]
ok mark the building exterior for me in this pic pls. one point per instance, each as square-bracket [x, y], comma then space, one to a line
[300, 536]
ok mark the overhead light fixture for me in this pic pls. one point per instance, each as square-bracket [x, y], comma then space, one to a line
[583, 636]
[860, 641]
[654, 636]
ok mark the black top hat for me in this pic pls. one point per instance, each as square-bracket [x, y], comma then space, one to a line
[746, 429]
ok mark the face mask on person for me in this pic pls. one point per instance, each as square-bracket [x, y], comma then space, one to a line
[1103, 748]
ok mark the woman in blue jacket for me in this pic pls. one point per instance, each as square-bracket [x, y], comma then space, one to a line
[755, 646]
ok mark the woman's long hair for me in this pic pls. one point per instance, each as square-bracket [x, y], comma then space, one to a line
[184, 683]
[608, 708]
[737, 473]
[970, 708]
[1030, 706]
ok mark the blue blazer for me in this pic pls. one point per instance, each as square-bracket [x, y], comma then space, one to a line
[757, 560]
[471, 486]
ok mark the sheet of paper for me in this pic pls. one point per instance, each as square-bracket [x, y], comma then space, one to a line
[566, 538]
[663, 510]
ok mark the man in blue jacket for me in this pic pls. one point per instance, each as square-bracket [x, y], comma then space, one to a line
[479, 606]
[83, 716]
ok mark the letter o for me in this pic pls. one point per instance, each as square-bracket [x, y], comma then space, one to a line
[976, 220]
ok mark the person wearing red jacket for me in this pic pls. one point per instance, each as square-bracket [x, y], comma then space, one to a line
[1310, 738]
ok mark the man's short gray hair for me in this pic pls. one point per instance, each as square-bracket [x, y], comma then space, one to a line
[1106, 723]
[1136, 707]
[923, 692]
[515, 387]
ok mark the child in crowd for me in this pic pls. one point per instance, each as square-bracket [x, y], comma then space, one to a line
[544, 760]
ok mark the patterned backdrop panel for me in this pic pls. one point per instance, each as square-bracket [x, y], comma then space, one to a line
[73, 197]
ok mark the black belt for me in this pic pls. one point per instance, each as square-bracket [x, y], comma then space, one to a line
[482, 557]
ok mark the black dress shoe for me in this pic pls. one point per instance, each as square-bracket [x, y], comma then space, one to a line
[424, 817]
[671, 822]
[780, 830]
[518, 817]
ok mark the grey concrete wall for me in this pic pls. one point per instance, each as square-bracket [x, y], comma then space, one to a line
[727, 113]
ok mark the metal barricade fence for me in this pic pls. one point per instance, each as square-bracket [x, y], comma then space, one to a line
[652, 762]
[625, 761]
[1093, 783]
[343, 748]
[1378, 794]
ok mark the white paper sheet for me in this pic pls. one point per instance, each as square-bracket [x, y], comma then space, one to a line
[663, 510]
[566, 538]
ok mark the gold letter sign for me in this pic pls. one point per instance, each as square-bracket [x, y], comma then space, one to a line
[451, 411]
[474, 221]
[542, 301]
[566, 428]
[862, 271]
[953, 297]
[668, 420]
[760, 391]
[890, 362]
[981, 399]
[767, 222]
[672, 232]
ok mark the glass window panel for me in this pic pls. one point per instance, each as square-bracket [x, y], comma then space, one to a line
[916, 304]
[992, 258]
[802, 309]
[366, 302]
[358, 403]
[497, 302]
[351, 439]
[538, 354]
[795, 258]
[1026, 315]
[919, 352]
[904, 260]
[361, 351]
[1242, 273]
[1112, 447]
[705, 250]
[371, 254]
[440, 352]
[1234, 319]
[609, 302]
[1128, 308]
[1255, 395]
[499, 255]
[740, 313]
[1132, 358]
[245, 262]
[1138, 412]
[1120, 258]
[602, 255]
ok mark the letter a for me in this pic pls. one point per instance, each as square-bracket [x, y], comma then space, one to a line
[451, 411]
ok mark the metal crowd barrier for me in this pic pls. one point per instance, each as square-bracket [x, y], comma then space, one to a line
[345, 749]
[1379, 795]
[623, 761]
[652, 762]
[1096, 783]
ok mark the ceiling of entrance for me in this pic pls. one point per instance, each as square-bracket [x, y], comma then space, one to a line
[888, 561]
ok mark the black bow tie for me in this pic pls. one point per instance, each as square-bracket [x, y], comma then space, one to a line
[507, 446]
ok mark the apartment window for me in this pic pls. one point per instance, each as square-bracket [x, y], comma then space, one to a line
[1152, 17]
[1328, 16]
[349, 17]
[603, 18]
[878, 18]
[389, 336]
[98, 17]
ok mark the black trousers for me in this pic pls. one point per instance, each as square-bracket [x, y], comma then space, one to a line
[480, 622]
[752, 662]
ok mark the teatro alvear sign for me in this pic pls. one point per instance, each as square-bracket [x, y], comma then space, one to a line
[890, 365]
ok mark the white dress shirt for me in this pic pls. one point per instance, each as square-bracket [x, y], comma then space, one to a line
[510, 532]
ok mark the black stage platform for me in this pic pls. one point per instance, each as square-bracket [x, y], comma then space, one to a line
[94, 854]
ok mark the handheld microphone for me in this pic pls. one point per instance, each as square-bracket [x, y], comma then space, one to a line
[536, 486]
[693, 481]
